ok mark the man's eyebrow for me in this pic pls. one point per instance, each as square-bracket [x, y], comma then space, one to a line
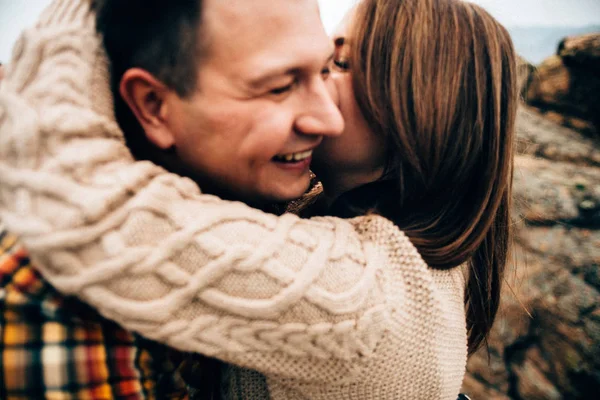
[276, 72]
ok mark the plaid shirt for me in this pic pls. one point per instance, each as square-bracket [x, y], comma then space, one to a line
[55, 347]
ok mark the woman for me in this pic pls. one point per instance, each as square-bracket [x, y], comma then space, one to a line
[429, 138]
[324, 308]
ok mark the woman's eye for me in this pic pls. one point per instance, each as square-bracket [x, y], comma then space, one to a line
[325, 72]
[341, 64]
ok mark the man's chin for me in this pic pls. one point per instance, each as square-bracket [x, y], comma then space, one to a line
[287, 193]
[273, 195]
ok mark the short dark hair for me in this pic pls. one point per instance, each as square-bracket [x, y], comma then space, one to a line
[161, 37]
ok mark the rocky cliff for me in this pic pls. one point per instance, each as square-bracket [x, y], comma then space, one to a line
[566, 87]
[545, 343]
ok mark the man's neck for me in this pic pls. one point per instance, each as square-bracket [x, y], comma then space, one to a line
[209, 187]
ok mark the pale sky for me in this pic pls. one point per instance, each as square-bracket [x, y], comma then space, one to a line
[16, 15]
[508, 12]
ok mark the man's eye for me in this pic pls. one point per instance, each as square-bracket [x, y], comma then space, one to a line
[342, 64]
[282, 89]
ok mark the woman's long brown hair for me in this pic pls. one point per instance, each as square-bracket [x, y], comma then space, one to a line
[437, 78]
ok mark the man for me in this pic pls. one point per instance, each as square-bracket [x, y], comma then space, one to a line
[230, 93]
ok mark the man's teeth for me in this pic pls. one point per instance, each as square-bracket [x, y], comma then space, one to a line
[294, 157]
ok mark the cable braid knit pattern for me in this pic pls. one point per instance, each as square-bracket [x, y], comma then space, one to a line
[324, 308]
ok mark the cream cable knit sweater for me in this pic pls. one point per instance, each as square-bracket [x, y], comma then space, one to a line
[324, 308]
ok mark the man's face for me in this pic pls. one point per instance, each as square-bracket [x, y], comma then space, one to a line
[262, 103]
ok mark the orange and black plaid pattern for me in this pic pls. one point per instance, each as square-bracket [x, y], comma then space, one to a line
[54, 347]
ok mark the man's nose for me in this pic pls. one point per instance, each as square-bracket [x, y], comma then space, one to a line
[321, 114]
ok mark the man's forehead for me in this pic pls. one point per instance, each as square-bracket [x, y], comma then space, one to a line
[248, 9]
[266, 32]
[227, 20]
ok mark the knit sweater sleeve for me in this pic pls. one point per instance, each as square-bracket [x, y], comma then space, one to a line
[150, 251]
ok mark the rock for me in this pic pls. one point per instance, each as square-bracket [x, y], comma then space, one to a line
[548, 192]
[525, 71]
[567, 85]
[550, 84]
[472, 385]
[545, 343]
[532, 383]
[569, 121]
[538, 136]
[557, 242]
[581, 51]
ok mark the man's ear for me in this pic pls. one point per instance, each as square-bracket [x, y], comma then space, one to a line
[145, 95]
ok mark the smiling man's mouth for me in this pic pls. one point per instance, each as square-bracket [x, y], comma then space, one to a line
[293, 157]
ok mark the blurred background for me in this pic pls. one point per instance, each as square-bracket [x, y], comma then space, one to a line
[536, 25]
[546, 341]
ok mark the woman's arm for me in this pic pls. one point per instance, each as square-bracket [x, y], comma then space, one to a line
[148, 250]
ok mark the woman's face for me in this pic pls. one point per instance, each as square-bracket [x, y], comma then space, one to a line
[357, 156]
